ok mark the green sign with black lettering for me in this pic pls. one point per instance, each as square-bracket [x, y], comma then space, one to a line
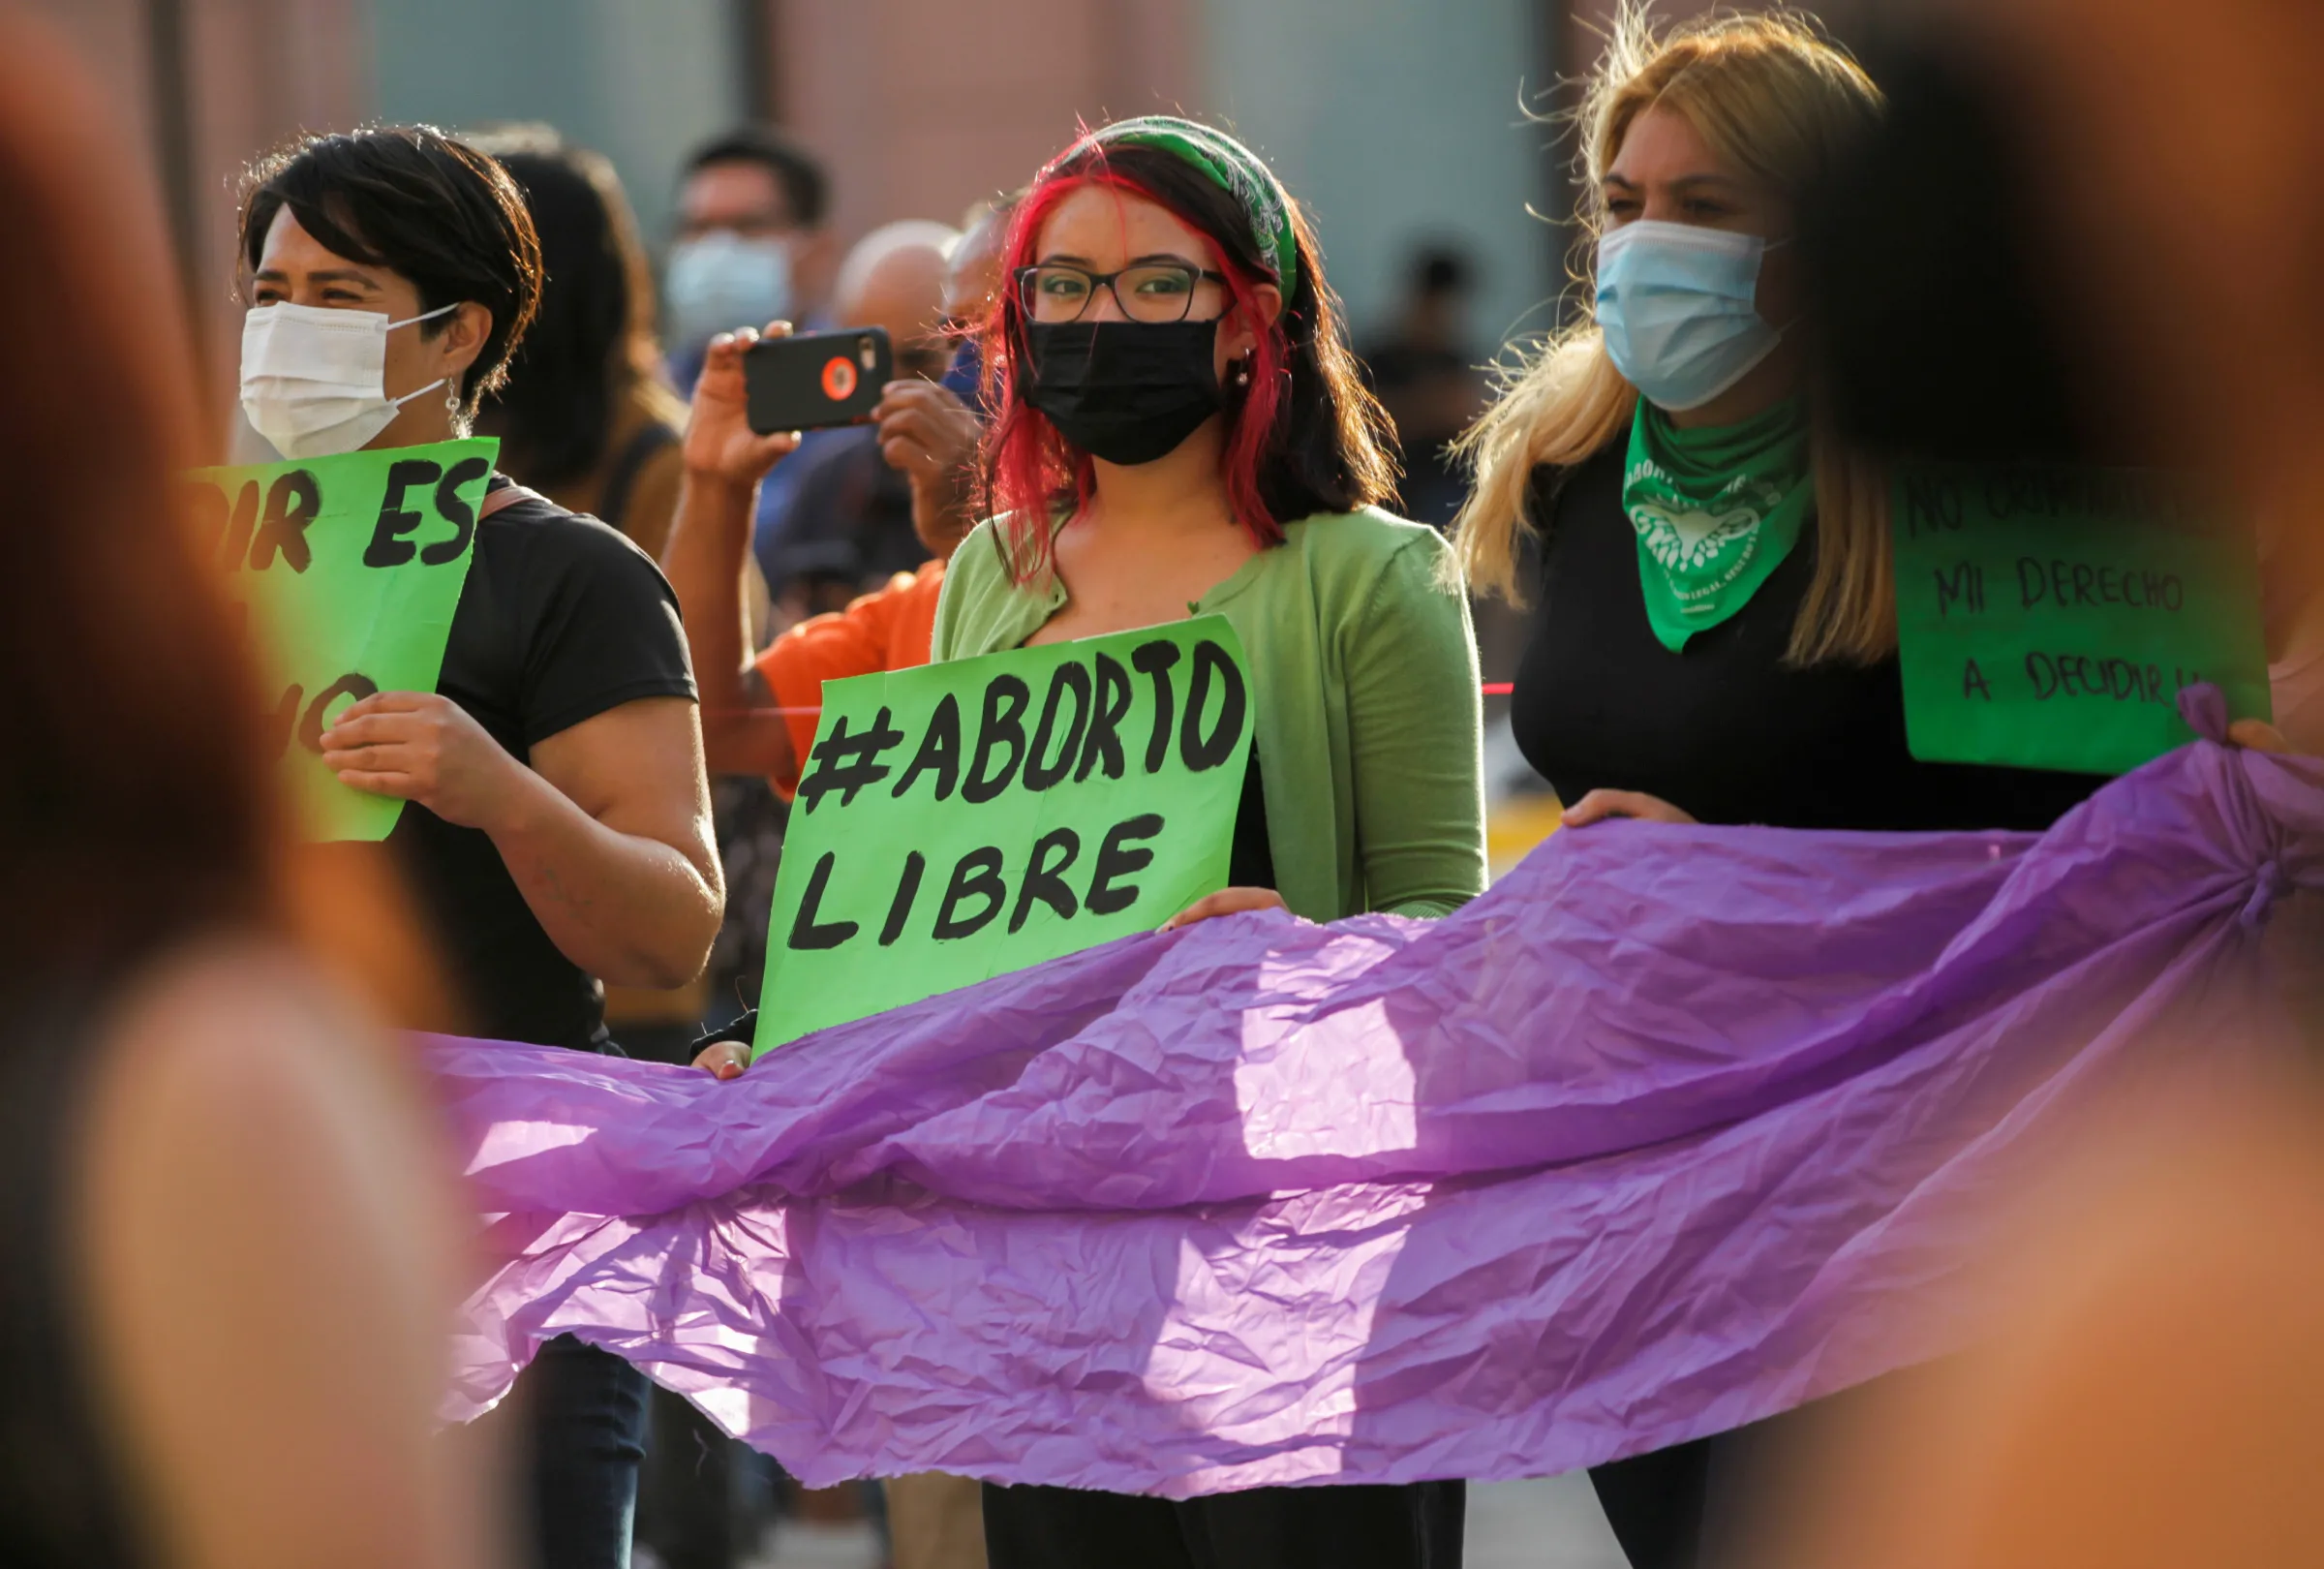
[961, 820]
[348, 569]
[2048, 615]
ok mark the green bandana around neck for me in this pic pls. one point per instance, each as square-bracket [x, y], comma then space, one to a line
[1715, 509]
[1234, 168]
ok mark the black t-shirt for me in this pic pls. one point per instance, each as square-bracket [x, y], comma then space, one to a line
[561, 619]
[1723, 729]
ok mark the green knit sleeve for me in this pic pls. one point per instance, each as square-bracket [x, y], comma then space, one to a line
[1416, 738]
[967, 587]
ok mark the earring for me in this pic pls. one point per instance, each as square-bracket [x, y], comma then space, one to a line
[1242, 373]
[452, 397]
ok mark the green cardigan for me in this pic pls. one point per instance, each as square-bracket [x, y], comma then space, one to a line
[1363, 670]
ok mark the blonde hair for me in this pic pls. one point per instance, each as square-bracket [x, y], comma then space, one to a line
[1774, 99]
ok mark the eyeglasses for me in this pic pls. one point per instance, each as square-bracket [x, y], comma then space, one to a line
[1147, 292]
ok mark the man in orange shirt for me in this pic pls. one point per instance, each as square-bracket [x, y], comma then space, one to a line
[759, 713]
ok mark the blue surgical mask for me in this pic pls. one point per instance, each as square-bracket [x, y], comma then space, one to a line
[720, 281]
[1676, 302]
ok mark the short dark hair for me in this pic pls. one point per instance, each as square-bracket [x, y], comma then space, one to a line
[804, 184]
[412, 200]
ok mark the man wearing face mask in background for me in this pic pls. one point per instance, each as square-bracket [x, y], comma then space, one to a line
[750, 246]
[559, 827]
[843, 522]
[927, 436]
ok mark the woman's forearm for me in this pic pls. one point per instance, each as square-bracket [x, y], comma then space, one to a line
[625, 907]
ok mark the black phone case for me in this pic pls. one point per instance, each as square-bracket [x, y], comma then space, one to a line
[816, 379]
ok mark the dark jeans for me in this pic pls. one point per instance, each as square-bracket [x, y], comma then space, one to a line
[1698, 1505]
[1656, 1502]
[1418, 1527]
[579, 1417]
[687, 1507]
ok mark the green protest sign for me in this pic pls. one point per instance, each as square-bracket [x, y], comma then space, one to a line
[962, 820]
[348, 568]
[2047, 616]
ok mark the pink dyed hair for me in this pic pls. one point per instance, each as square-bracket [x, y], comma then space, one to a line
[1029, 468]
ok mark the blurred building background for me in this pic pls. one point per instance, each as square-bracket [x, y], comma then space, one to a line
[1399, 121]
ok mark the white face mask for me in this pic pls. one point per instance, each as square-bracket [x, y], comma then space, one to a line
[314, 380]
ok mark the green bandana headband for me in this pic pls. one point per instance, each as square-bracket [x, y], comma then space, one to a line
[1234, 167]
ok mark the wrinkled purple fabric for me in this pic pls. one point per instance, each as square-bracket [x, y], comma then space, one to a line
[1675, 1128]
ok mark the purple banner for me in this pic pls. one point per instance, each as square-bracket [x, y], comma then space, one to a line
[1674, 1129]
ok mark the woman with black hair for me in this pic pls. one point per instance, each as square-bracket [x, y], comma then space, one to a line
[559, 828]
[585, 416]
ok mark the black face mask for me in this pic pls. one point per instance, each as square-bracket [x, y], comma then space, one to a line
[1124, 392]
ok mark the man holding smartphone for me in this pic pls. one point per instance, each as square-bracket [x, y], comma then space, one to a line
[835, 520]
[922, 433]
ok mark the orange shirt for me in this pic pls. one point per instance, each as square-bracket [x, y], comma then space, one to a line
[886, 629]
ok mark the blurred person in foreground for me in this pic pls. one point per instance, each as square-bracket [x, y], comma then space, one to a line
[1425, 372]
[753, 241]
[2159, 212]
[2148, 1400]
[232, 1247]
[1715, 637]
[558, 826]
[843, 522]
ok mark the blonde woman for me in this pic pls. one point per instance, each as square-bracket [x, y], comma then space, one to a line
[1715, 638]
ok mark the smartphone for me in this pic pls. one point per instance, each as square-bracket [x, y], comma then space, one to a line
[812, 379]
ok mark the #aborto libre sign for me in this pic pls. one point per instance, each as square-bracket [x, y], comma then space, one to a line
[960, 821]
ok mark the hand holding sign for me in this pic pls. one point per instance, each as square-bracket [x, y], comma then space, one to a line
[1225, 902]
[350, 569]
[416, 746]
